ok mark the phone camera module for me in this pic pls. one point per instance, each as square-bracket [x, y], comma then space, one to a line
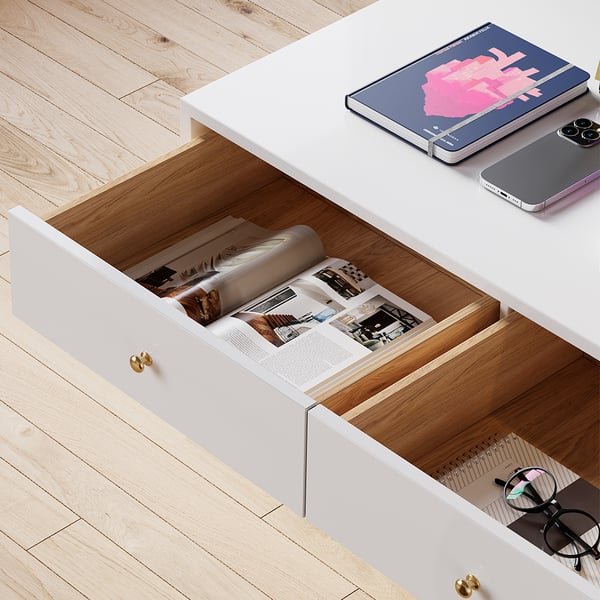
[590, 135]
[569, 131]
[582, 131]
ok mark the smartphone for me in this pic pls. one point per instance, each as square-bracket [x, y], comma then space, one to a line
[549, 168]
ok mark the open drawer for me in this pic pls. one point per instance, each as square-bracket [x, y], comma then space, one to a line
[69, 284]
[371, 467]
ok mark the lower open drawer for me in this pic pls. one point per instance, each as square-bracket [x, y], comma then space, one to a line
[372, 467]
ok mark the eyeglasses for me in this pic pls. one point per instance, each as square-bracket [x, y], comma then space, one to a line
[561, 529]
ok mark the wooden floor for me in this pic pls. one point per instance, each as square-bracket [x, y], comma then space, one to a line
[98, 498]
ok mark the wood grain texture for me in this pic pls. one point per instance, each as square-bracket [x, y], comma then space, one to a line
[27, 513]
[170, 490]
[14, 193]
[308, 15]
[45, 123]
[162, 198]
[23, 577]
[469, 382]
[190, 29]
[123, 407]
[98, 568]
[37, 167]
[158, 101]
[165, 59]
[345, 7]
[3, 238]
[83, 100]
[341, 559]
[65, 44]
[404, 358]
[560, 416]
[117, 516]
[266, 29]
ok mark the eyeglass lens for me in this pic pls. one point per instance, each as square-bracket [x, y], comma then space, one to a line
[571, 521]
[530, 489]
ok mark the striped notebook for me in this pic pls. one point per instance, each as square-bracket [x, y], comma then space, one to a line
[472, 477]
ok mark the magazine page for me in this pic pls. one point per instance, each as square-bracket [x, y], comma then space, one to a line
[226, 265]
[319, 323]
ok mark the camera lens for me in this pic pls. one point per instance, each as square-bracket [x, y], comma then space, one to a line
[583, 123]
[569, 130]
[590, 134]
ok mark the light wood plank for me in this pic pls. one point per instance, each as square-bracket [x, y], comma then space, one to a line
[269, 561]
[359, 595]
[27, 513]
[14, 193]
[339, 558]
[193, 31]
[345, 7]
[248, 20]
[45, 123]
[65, 44]
[118, 403]
[98, 568]
[3, 238]
[307, 15]
[40, 169]
[116, 515]
[22, 577]
[162, 57]
[83, 100]
[4, 258]
[427, 407]
[159, 101]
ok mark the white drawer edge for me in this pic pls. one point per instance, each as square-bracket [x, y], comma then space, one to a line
[257, 422]
[455, 508]
[119, 279]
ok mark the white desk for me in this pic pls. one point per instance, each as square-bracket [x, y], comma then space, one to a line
[289, 110]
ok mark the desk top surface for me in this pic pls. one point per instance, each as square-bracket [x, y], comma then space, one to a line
[288, 109]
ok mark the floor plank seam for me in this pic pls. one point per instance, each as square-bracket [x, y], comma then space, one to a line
[249, 40]
[29, 139]
[270, 511]
[136, 500]
[56, 532]
[7, 174]
[318, 558]
[50, 569]
[158, 33]
[88, 123]
[122, 99]
[157, 80]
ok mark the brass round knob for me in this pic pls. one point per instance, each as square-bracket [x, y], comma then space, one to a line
[138, 363]
[464, 587]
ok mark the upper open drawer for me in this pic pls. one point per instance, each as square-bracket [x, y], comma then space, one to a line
[235, 407]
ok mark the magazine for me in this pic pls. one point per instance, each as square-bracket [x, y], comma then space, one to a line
[277, 298]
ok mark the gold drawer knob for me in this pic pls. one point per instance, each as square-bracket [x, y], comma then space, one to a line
[138, 363]
[464, 587]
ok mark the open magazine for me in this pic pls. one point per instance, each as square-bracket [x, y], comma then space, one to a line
[277, 298]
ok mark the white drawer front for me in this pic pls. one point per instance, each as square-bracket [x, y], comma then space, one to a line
[251, 420]
[413, 529]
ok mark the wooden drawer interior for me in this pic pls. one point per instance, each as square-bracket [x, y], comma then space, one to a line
[165, 201]
[513, 376]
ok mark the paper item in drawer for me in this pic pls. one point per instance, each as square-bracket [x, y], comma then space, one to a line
[472, 478]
